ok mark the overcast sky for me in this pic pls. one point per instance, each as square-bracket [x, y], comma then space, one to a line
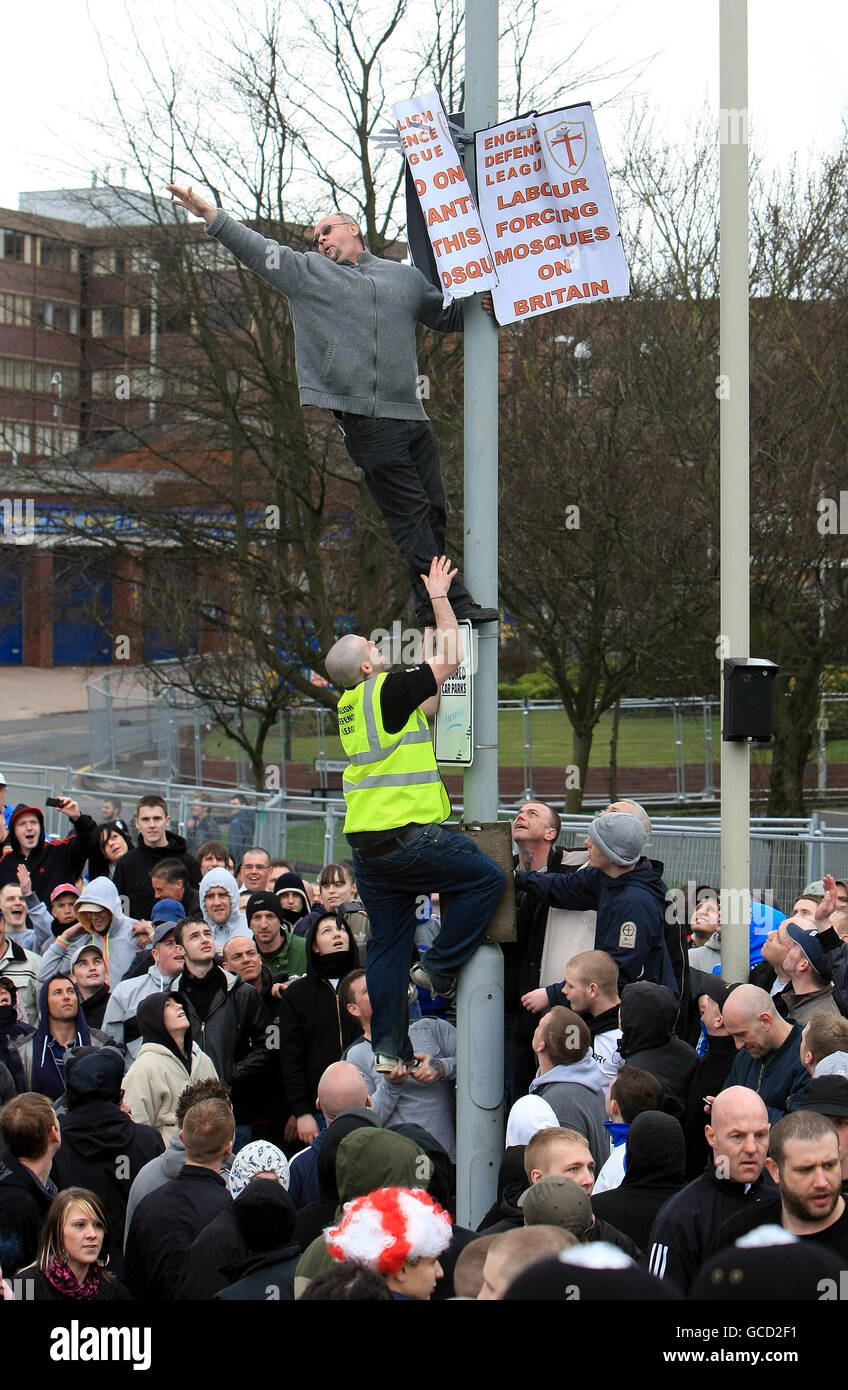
[54, 72]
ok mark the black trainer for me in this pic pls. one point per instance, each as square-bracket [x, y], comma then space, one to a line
[476, 615]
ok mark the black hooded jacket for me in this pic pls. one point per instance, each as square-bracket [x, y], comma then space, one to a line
[648, 1014]
[655, 1172]
[233, 1032]
[150, 1018]
[314, 1030]
[51, 862]
[133, 870]
[102, 1148]
[24, 1204]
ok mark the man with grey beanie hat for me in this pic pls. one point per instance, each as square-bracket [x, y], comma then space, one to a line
[625, 890]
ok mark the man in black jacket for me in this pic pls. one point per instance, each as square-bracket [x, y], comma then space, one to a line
[738, 1135]
[166, 1222]
[29, 1126]
[535, 831]
[156, 842]
[50, 862]
[228, 1018]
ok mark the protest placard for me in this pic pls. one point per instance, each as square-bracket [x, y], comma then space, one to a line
[547, 210]
[453, 223]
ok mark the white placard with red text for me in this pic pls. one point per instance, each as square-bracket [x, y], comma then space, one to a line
[453, 223]
[547, 209]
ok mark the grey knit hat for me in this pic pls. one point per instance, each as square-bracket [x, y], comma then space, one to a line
[619, 836]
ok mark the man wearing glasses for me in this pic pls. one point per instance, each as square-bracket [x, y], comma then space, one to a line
[354, 317]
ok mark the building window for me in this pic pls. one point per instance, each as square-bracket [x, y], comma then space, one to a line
[140, 260]
[16, 309]
[14, 245]
[70, 377]
[174, 318]
[55, 439]
[53, 313]
[15, 375]
[15, 435]
[57, 254]
[227, 315]
[107, 322]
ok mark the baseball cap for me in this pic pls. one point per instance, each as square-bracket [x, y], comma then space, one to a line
[557, 1202]
[86, 946]
[167, 910]
[814, 889]
[163, 929]
[64, 888]
[810, 945]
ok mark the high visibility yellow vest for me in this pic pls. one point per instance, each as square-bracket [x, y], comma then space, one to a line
[391, 779]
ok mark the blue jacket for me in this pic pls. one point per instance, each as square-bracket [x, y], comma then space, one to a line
[636, 898]
[779, 1079]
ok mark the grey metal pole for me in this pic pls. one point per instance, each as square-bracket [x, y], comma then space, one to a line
[733, 398]
[480, 992]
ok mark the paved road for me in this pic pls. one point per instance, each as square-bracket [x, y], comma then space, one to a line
[60, 739]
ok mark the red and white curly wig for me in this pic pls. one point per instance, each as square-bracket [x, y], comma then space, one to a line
[389, 1228]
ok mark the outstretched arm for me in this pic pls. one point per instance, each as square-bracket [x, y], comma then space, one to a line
[279, 265]
[192, 202]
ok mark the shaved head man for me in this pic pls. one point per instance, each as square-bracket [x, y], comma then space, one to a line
[804, 1161]
[514, 1251]
[341, 1087]
[768, 1058]
[684, 1228]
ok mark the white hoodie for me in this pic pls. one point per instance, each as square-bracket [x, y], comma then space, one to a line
[236, 923]
[117, 942]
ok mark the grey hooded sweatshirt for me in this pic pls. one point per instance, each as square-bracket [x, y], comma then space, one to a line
[236, 923]
[117, 943]
[576, 1095]
[354, 324]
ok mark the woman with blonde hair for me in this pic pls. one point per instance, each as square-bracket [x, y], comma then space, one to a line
[68, 1264]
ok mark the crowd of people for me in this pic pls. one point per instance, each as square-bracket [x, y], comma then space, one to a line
[195, 1105]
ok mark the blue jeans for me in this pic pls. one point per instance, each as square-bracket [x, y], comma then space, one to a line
[392, 888]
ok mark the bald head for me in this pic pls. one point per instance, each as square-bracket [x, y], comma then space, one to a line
[738, 1134]
[631, 808]
[748, 1002]
[341, 1087]
[737, 1102]
[753, 1022]
[344, 660]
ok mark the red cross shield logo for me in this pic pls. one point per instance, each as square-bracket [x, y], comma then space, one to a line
[566, 144]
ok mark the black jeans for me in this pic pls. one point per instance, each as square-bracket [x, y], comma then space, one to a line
[400, 461]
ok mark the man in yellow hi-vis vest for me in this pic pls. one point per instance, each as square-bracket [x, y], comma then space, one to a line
[396, 801]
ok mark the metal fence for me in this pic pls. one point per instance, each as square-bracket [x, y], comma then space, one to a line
[663, 751]
[785, 853]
